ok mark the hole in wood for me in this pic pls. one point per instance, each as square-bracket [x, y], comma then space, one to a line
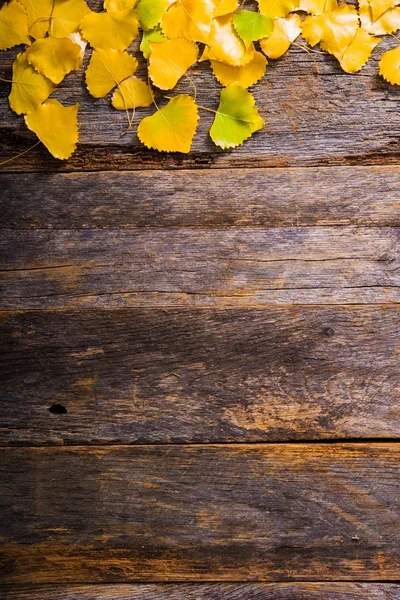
[57, 409]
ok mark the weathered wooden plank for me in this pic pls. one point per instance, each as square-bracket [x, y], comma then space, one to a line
[190, 513]
[311, 118]
[207, 267]
[151, 376]
[216, 591]
[363, 196]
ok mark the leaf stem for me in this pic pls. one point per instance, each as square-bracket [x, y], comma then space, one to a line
[20, 154]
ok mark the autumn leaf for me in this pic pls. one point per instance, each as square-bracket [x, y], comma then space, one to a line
[132, 93]
[224, 44]
[151, 12]
[39, 12]
[116, 5]
[29, 88]
[357, 53]
[317, 7]
[224, 7]
[245, 76]
[379, 17]
[276, 9]
[251, 26]
[189, 19]
[172, 128]
[236, 119]
[55, 57]
[154, 35]
[115, 30]
[285, 32]
[56, 127]
[108, 68]
[389, 66]
[170, 60]
[334, 30]
[13, 25]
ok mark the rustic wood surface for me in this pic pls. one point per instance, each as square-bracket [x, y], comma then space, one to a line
[223, 591]
[199, 376]
[181, 513]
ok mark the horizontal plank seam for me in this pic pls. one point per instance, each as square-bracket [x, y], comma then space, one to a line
[191, 583]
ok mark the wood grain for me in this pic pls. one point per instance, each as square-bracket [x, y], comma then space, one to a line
[358, 196]
[323, 118]
[223, 591]
[190, 513]
[153, 376]
[208, 267]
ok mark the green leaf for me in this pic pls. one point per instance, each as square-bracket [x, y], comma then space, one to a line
[150, 12]
[236, 119]
[252, 26]
[155, 35]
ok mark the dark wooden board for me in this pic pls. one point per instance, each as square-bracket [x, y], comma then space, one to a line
[358, 196]
[311, 118]
[200, 375]
[207, 267]
[190, 513]
[222, 591]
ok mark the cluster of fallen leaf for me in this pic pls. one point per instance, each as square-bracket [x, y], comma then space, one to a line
[176, 34]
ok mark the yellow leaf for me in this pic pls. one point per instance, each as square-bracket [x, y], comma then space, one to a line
[224, 7]
[334, 29]
[116, 5]
[224, 44]
[285, 32]
[376, 19]
[108, 68]
[317, 7]
[389, 66]
[277, 9]
[172, 128]
[56, 127]
[358, 51]
[245, 76]
[13, 25]
[170, 60]
[55, 57]
[132, 93]
[110, 29]
[190, 19]
[29, 88]
[39, 12]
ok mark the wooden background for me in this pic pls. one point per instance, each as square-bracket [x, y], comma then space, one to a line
[222, 330]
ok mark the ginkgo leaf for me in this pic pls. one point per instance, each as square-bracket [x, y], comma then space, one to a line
[115, 30]
[276, 9]
[172, 128]
[13, 25]
[389, 66]
[190, 19]
[252, 26]
[154, 35]
[236, 119]
[224, 7]
[56, 127]
[378, 17]
[224, 44]
[55, 57]
[334, 29]
[317, 7]
[132, 93]
[358, 51]
[116, 5]
[39, 12]
[245, 76]
[29, 88]
[151, 12]
[285, 32]
[170, 60]
[107, 68]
